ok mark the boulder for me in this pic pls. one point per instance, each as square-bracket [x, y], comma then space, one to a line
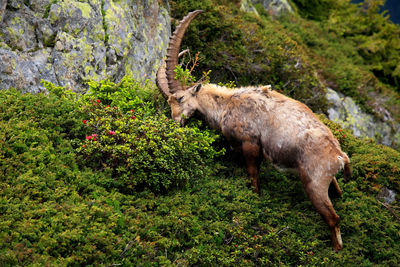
[386, 195]
[276, 8]
[349, 115]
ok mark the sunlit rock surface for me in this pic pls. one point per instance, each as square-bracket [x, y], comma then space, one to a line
[70, 42]
[275, 7]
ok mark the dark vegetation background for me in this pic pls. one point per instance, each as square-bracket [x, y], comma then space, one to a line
[393, 8]
[108, 178]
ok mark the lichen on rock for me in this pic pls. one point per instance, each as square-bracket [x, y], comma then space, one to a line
[347, 113]
[80, 40]
[276, 8]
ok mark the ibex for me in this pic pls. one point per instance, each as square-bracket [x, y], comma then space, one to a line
[262, 123]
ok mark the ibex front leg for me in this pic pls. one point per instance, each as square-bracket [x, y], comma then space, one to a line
[251, 153]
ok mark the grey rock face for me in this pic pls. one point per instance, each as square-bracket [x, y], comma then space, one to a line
[346, 112]
[275, 7]
[69, 42]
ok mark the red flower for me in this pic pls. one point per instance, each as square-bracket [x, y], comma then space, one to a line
[344, 136]
[94, 135]
[111, 132]
[84, 121]
[98, 100]
[88, 137]
[133, 117]
[235, 246]
[311, 253]
[84, 146]
[132, 110]
[94, 139]
[255, 237]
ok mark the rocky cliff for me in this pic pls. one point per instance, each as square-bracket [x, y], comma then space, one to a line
[69, 42]
[349, 115]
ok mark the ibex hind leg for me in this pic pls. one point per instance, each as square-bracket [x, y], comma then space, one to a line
[334, 189]
[318, 194]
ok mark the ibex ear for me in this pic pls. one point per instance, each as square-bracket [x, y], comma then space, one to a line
[195, 89]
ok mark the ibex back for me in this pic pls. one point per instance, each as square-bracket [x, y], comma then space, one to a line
[262, 123]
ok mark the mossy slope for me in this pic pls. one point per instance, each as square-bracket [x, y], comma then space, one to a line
[61, 208]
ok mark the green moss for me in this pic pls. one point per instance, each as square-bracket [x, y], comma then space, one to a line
[69, 200]
[54, 16]
[316, 9]
[105, 27]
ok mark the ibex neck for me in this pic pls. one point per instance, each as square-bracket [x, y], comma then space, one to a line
[212, 100]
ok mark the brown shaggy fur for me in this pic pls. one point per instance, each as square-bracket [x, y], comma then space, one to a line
[265, 123]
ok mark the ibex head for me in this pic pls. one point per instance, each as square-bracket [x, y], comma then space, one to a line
[184, 103]
[182, 100]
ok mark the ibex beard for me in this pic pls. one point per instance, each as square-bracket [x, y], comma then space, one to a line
[262, 123]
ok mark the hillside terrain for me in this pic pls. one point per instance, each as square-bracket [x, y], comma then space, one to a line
[108, 178]
[350, 48]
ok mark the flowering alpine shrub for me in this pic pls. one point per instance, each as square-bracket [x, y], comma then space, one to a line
[127, 94]
[144, 151]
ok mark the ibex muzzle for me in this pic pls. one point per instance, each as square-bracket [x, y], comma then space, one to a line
[262, 123]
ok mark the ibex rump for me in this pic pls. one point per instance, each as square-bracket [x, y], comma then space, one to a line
[263, 123]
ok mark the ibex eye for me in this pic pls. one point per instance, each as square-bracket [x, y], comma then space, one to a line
[180, 99]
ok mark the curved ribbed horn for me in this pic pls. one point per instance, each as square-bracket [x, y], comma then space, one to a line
[173, 51]
[162, 82]
[161, 78]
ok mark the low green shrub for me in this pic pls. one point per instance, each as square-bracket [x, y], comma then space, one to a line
[33, 128]
[144, 151]
[127, 94]
[315, 9]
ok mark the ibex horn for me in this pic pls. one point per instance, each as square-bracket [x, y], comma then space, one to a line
[166, 81]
